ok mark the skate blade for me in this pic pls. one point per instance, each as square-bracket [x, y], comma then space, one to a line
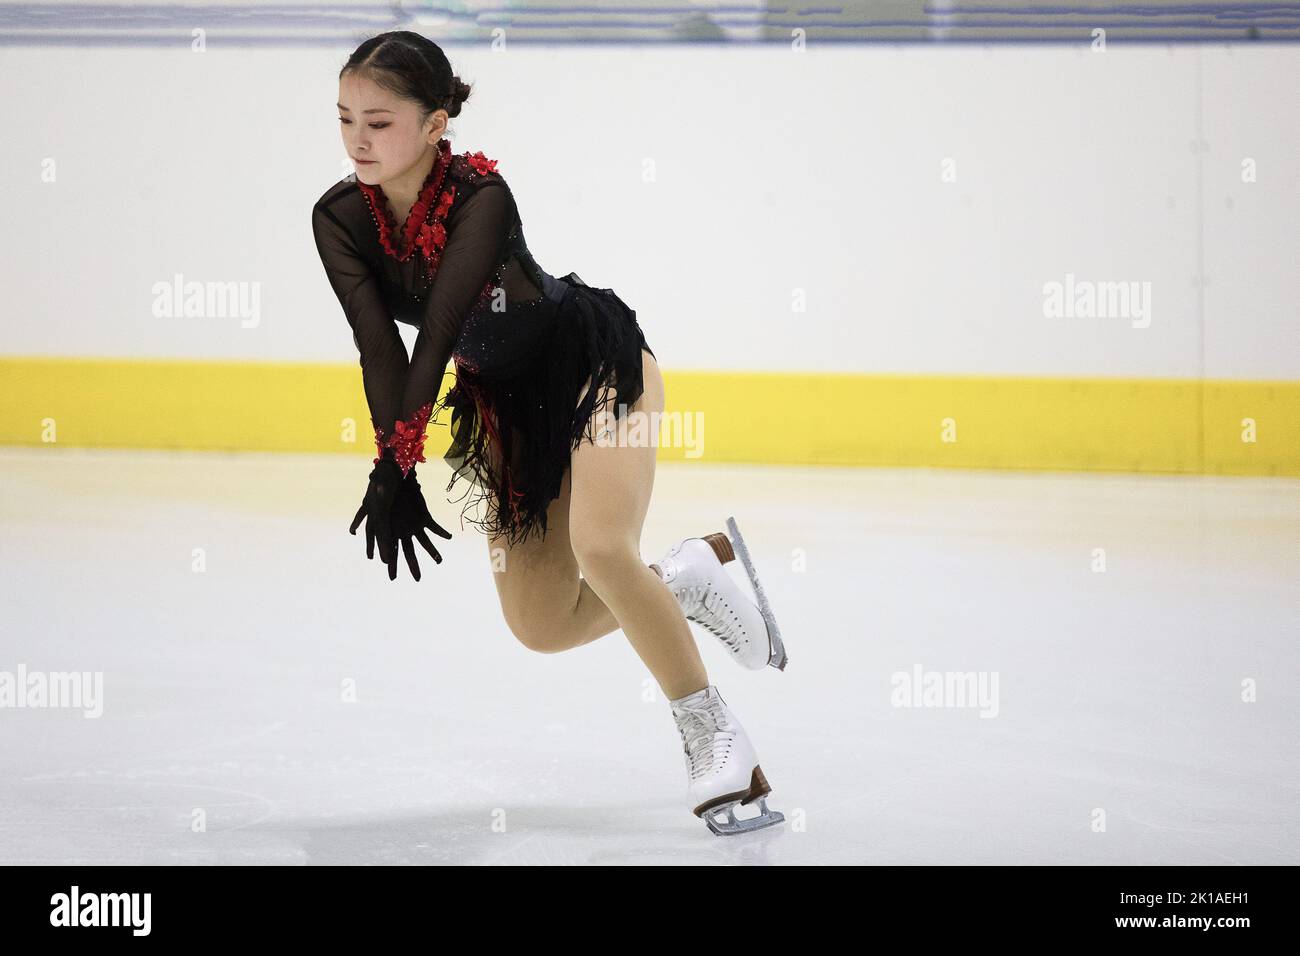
[730, 826]
[778, 657]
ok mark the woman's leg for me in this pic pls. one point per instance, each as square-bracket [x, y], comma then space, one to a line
[611, 486]
[546, 603]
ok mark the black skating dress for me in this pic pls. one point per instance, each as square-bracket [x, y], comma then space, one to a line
[524, 342]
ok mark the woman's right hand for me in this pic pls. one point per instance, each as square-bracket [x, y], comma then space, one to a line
[376, 508]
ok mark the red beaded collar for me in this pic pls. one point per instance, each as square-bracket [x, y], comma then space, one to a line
[425, 227]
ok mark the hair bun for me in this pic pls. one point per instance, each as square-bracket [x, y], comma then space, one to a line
[459, 94]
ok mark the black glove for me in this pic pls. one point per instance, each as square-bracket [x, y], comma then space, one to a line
[377, 508]
[410, 516]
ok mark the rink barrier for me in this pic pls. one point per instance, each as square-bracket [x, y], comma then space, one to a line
[786, 418]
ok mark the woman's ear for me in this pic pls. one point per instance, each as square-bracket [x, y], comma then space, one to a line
[437, 124]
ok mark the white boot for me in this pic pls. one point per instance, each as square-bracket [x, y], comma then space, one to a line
[721, 764]
[693, 570]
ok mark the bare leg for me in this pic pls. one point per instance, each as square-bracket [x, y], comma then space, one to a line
[611, 487]
[546, 603]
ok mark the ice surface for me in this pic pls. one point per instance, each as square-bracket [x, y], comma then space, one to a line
[1118, 691]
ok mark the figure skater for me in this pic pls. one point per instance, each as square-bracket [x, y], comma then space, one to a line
[433, 239]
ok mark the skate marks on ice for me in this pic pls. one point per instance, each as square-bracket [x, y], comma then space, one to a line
[625, 834]
[152, 828]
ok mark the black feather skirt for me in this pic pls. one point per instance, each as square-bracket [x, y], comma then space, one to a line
[515, 416]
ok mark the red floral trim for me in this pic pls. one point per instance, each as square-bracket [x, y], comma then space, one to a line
[425, 227]
[482, 165]
[407, 439]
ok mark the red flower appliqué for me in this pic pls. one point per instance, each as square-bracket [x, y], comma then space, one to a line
[482, 165]
[407, 439]
[425, 227]
[432, 236]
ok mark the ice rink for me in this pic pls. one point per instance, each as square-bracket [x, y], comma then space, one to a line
[228, 610]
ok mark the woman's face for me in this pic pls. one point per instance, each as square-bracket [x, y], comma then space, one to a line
[382, 131]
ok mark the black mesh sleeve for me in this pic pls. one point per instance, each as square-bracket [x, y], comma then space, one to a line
[382, 353]
[478, 229]
[396, 387]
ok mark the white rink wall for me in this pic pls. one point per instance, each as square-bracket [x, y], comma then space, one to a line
[715, 188]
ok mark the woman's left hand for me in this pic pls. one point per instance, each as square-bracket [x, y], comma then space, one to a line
[410, 518]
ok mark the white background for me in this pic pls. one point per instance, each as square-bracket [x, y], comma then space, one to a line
[774, 171]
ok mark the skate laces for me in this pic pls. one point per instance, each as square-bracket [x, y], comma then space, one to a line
[702, 607]
[699, 727]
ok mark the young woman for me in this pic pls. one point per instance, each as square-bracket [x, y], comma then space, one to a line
[543, 367]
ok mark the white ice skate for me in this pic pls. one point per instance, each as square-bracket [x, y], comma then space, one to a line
[694, 572]
[721, 764]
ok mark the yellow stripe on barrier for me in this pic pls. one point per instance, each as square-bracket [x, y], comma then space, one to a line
[1088, 424]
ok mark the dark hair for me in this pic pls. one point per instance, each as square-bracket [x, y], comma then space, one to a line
[413, 67]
